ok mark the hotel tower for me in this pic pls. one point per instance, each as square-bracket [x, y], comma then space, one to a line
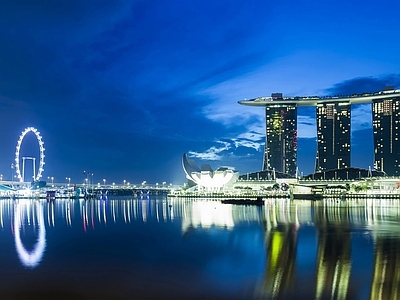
[281, 138]
[333, 134]
[386, 123]
[333, 116]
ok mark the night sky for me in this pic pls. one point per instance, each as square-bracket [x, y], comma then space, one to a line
[122, 89]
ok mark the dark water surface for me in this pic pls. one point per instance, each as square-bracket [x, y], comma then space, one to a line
[159, 248]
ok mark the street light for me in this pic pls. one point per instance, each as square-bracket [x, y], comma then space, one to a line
[124, 181]
[1, 177]
[12, 174]
[104, 182]
[69, 180]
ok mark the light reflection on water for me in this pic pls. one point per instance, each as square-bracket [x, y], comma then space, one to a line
[370, 227]
[27, 214]
[169, 248]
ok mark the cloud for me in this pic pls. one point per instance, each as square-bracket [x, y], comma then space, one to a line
[361, 117]
[133, 78]
[212, 153]
[361, 85]
[250, 140]
[248, 144]
[244, 126]
[224, 107]
[237, 147]
[306, 126]
[251, 135]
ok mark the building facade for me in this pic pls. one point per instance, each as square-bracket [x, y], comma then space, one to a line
[280, 151]
[333, 134]
[386, 127]
[333, 130]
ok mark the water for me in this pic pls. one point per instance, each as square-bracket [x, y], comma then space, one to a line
[130, 248]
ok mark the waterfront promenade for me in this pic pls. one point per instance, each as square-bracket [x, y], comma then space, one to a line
[66, 190]
[377, 187]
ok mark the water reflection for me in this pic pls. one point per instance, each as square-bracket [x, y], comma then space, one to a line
[29, 214]
[336, 223]
[206, 214]
[314, 250]
[281, 258]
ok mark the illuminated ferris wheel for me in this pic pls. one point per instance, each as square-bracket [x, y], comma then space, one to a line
[41, 156]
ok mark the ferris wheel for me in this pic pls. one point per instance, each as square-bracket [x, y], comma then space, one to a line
[41, 156]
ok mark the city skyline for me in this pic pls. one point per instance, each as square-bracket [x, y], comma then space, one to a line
[333, 116]
[122, 89]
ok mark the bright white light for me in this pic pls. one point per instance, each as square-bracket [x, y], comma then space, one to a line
[41, 150]
[212, 180]
[29, 258]
[208, 214]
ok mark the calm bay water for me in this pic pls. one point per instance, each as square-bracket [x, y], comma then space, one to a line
[133, 248]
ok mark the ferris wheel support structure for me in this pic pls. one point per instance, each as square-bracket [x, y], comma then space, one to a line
[33, 166]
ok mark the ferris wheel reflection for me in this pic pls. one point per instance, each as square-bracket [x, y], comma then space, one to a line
[29, 214]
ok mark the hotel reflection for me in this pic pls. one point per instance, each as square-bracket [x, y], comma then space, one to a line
[386, 275]
[334, 248]
[333, 260]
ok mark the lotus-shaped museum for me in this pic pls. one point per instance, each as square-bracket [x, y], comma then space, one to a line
[205, 177]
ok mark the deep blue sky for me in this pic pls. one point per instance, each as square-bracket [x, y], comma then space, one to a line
[124, 88]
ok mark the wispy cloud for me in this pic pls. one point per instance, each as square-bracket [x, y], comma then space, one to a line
[212, 153]
[361, 117]
[226, 110]
[306, 126]
[238, 147]
[253, 135]
[250, 140]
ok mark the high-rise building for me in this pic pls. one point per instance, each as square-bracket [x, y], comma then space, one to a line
[281, 139]
[386, 126]
[333, 133]
[333, 130]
